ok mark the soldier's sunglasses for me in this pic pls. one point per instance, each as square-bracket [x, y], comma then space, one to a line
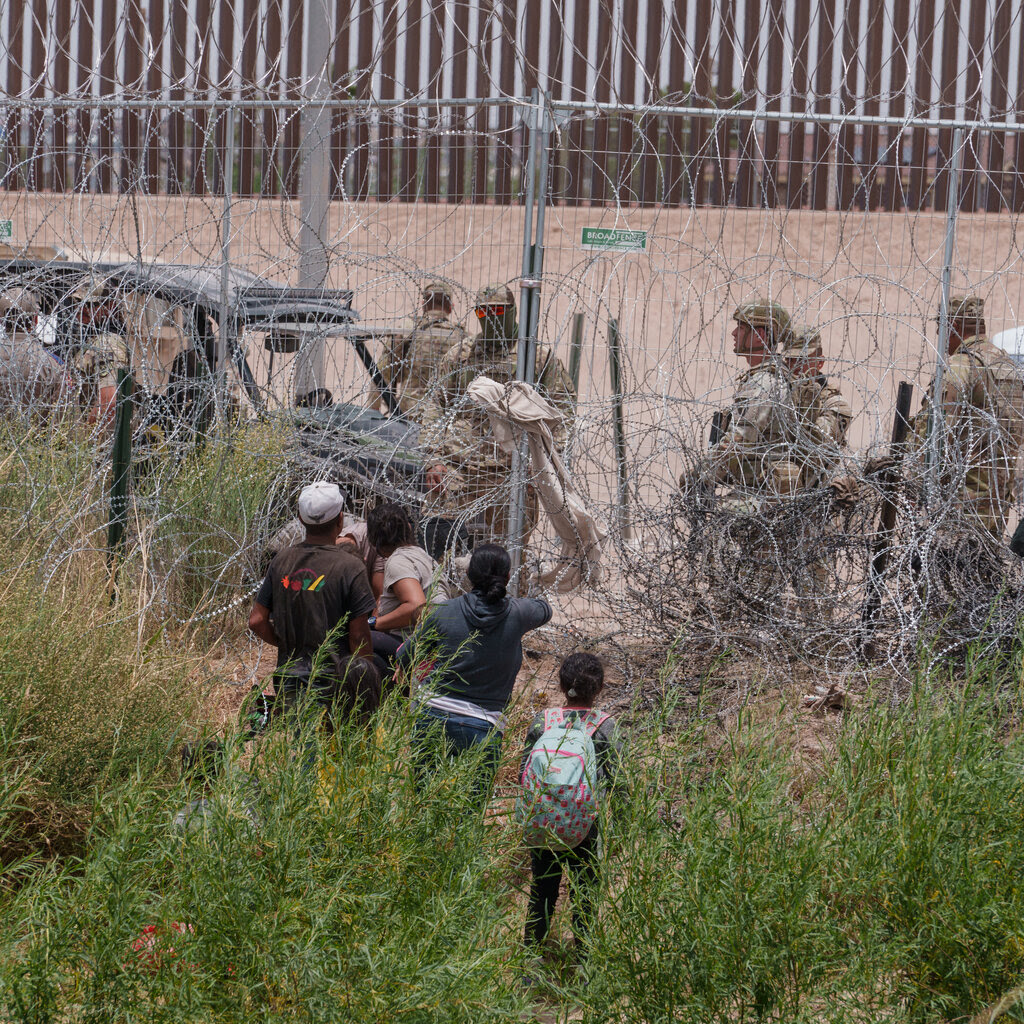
[483, 311]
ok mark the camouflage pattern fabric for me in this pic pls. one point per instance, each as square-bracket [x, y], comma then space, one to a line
[462, 438]
[754, 454]
[411, 364]
[982, 405]
[823, 419]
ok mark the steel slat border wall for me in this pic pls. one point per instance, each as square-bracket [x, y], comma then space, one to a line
[858, 57]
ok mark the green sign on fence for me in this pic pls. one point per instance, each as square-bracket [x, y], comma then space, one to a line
[6, 230]
[614, 240]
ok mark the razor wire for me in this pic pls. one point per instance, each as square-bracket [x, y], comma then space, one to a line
[781, 579]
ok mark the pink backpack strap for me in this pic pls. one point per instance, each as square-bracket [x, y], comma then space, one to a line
[592, 722]
[553, 716]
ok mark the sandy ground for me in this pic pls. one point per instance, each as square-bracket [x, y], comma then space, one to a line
[870, 280]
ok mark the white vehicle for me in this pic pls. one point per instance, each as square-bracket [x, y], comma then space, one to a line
[1011, 341]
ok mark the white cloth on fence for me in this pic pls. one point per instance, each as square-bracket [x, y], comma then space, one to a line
[518, 406]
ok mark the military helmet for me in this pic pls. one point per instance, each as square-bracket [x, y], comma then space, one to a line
[437, 290]
[495, 295]
[760, 312]
[803, 341]
[496, 310]
[963, 307]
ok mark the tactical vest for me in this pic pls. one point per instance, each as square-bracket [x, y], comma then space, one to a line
[422, 352]
[987, 427]
[760, 432]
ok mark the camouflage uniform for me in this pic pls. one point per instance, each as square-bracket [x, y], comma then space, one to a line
[752, 462]
[411, 362]
[30, 378]
[823, 419]
[98, 353]
[823, 416]
[982, 406]
[464, 440]
[754, 453]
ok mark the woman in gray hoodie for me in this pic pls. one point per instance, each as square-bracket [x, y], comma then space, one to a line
[465, 655]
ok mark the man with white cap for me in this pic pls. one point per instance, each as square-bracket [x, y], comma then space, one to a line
[310, 589]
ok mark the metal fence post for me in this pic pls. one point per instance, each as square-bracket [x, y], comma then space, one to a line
[225, 328]
[315, 188]
[619, 428]
[576, 352]
[935, 416]
[517, 512]
[120, 470]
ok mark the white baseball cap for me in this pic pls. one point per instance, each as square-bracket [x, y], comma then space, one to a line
[319, 503]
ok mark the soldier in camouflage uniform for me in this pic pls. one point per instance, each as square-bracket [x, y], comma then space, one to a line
[30, 377]
[821, 409]
[753, 455]
[752, 463]
[100, 348]
[411, 362]
[478, 471]
[982, 408]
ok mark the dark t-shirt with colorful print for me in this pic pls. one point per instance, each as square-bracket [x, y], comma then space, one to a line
[309, 589]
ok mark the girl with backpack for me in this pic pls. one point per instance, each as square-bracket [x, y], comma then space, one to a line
[570, 759]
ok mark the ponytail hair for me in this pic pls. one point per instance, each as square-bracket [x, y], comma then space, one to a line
[489, 570]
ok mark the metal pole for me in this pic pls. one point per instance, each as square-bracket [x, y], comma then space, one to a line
[120, 470]
[517, 511]
[935, 417]
[315, 186]
[576, 351]
[225, 328]
[619, 427]
[537, 270]
[525, 284]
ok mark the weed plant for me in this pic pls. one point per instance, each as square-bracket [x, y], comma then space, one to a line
[884, 888]
[198, 518]
[208, 516]
[85, 702]
[354, 896]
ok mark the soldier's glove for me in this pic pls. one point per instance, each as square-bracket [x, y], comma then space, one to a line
[845, 491]
[880, 465]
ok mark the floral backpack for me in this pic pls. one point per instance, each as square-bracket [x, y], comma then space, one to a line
[558, 799]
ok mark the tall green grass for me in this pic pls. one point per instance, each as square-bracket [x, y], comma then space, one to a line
[883, 885]
[210, 516]
[85, 702]
[357, 898]
[198, 518]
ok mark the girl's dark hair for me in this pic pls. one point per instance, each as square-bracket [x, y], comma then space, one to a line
[388, 526]
[489, 569]
[583, 674]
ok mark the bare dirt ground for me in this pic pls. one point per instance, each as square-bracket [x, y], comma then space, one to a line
[700, 686]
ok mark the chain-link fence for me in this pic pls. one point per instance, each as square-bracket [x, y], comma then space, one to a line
[628, 235]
